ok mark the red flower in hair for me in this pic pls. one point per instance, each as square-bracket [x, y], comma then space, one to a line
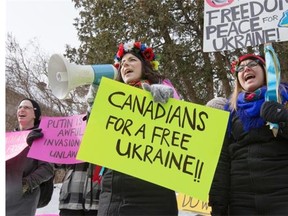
[117, 65]
[120, 52]
[137, 44]
[148, 54]
[137, 48]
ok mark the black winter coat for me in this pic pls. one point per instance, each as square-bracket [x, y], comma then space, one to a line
[252, 173]
[124, 195]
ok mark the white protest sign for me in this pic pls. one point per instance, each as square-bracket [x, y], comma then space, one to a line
[232, 24]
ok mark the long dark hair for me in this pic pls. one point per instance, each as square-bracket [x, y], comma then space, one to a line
[147, 72]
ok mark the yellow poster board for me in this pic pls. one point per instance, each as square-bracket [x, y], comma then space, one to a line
[176, 145]
[191, 204]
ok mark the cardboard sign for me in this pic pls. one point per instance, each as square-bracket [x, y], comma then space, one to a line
[61, 141]
[190, 204]
[232, 24]
[176, 145]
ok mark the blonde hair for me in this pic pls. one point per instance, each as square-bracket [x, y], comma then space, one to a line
[238, 89]
[234, 96]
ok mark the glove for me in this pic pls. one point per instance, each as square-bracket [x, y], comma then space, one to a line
[33, 135]
[161, 93]
[218, 103]
[91, 96]
[274, 112]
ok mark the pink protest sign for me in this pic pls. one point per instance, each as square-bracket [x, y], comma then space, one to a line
[15, 143]
[47, 215]
[61, 140]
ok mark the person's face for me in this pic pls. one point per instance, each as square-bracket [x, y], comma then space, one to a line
[250, 75]
[25, 113]
[131, 68]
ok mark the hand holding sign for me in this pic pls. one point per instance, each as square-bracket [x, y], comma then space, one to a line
[61, 140]
[273, 80]
[160, 93]
[274, 112]
[154, 141]
[33, 135]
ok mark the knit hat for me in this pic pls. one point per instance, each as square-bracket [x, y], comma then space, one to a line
[235, 64]
[37, 110]
[218, 103]
[140, 50]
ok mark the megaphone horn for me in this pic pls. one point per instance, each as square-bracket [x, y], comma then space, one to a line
[64, 76]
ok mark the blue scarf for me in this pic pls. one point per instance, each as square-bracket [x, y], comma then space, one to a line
[249, 105]
[248, 108]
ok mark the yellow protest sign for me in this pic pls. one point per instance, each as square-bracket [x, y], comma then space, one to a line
[188, 203]
[176, 145]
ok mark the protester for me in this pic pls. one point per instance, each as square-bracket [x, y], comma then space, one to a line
[79, 194]
[23, 174]
[252, 172]
[123, 194]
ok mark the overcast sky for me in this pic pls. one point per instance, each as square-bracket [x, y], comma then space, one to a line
[50, 21]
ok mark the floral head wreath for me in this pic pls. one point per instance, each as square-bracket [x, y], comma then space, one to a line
[235, 63]
[139, 48]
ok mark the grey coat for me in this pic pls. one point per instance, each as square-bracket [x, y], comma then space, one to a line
[35, 172]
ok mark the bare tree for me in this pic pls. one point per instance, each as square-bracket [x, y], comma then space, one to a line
[27, 76]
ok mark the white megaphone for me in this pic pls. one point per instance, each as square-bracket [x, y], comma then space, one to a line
[64, 76]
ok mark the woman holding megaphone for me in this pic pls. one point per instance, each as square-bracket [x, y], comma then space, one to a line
[122, 194]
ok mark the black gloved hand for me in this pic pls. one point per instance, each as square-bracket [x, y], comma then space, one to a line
[86, 117]
[33, 135]
[274, 112]
[160, 93]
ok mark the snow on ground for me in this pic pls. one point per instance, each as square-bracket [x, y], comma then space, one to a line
[52, 207]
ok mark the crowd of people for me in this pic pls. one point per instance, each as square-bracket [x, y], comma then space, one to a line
[251, 177]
